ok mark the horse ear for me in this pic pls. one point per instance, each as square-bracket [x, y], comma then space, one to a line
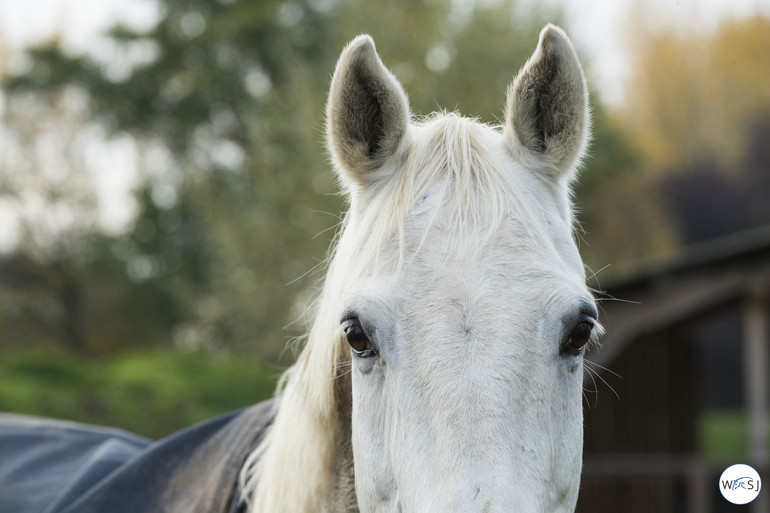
[547, 114]
[367, 113]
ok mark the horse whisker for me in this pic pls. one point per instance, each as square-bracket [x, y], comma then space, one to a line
[593, 372]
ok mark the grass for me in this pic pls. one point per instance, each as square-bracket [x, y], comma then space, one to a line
[151, 393]
[724, 434]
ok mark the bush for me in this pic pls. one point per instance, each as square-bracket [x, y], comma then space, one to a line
[149, 393]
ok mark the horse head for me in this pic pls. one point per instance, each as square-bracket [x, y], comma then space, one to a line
[444, 368]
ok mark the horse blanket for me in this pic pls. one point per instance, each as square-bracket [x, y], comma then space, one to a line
[50, 466]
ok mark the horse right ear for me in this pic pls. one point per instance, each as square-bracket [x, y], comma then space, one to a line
[367, 114]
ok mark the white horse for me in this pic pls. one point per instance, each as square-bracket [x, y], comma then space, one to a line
[444, 367]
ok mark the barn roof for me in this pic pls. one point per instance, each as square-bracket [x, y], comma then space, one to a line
[662, 294]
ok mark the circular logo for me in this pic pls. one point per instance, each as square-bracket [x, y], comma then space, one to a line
[740, 484]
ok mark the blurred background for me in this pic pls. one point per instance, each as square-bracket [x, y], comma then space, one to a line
[166, 204]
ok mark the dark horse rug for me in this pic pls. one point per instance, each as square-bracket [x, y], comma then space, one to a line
[50, 466]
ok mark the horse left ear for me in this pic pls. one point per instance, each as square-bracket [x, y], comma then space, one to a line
[367, 114]
[547, 114]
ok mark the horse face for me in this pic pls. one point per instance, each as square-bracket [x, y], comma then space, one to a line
[468, 315]
[466, 377]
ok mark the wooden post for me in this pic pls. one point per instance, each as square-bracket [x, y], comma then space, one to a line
[756, 386]
[699, 488]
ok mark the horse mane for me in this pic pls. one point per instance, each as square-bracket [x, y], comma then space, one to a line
[291, 470]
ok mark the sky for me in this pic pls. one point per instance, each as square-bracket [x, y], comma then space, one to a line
[27, 21]
[596, 27]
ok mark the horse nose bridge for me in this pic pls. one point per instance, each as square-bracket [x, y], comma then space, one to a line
[472, 372]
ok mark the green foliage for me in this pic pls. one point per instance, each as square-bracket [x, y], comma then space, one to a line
[234, 92]
[152, 393]
[610, 154]
[615, 232]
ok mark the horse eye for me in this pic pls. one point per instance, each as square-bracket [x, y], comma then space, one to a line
[356, 337]
[579, 336]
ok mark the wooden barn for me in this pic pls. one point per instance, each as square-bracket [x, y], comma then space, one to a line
[687, 354]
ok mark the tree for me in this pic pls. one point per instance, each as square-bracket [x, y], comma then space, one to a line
[50, 199]
[708, 201]
[622, 219]
[694, 93]
[234, 93]
[680, 170]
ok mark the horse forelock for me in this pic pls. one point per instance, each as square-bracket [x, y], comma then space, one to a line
[463, 166]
